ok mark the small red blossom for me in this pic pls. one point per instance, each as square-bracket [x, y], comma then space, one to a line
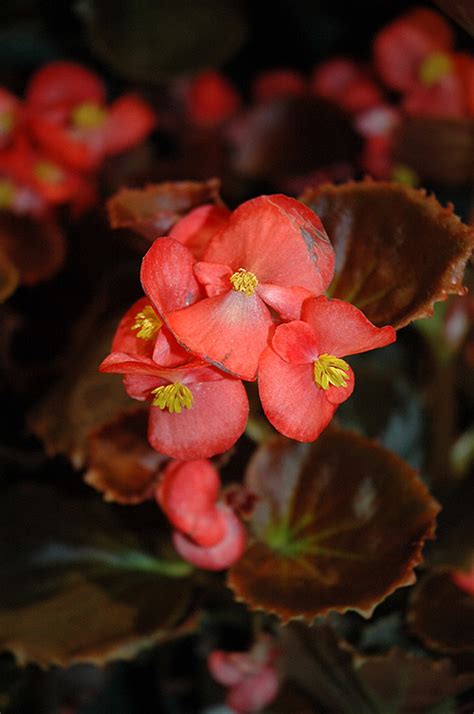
[211, 99]
[220, 556]
[278, 83]
[252, 677]
[464, 580]
[189, 414]
[68, 116]
[272, 254]
[187, 492]
[302, 377]
[450, 92]
[402, 47]
[347, 84]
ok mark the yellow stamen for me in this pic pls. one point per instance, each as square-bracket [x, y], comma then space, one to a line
[7, 193]
[7, 122]
[88, 115]
[329, 370]
[48, 172]
[173, 397]
[147, 323]
[434, 67]
[405, 175]
[244, 281]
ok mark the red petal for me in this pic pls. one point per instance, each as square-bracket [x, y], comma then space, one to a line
[167, 276]
[215, 277]
[125, 339]
[229, 331]
[139, 386]
[65, 83]
[123, 363]
[211, 99]
[167, 352]
[280, 240]
[213, 424]
[255, 692]
[57, 140]
[292, 402]
[197, 228]
[286, 301]
[129, 121]
[341, 329]
[295, 343]
[187, 493]
[278, 83]
[220, 556]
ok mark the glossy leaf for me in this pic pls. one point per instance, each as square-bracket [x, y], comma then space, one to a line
[77, 585]
[152, 211]
[398, 251]
[293, 136]
[441, 614]
[151, 41]
[121, 462]
[437, 149]
[36, 247]
[340, 524]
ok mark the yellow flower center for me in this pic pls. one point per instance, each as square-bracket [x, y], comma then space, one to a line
[173, 397]
[434, 67]
[7, 121]
[329, 370]
[88, 115]
[147, 323]
[48, 172]
[244, 281]
[7, 193]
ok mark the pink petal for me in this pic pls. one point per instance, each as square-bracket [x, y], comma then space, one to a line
[197, 228]
[292, 402]
[286, 301]
[229, 331]
[215, 277]
[341, 329]
[213, 424]
[167, 276]
[295, 343]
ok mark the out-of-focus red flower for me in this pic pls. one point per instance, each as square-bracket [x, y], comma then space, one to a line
[10, 117]
[252, 677]
[464, 580]
[302, 377]
[273, 253]
[197, 228]
[69, 118]
[196, 411]
[32, 181]
[278, 83]
[380, 120]
[211, 99]
[347, 84]
[187, 492]
[446, 91]
[401, 48]
[377, 157]
[220, 556]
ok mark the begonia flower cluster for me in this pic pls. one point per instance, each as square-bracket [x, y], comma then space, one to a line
[53, 142]
[242, 301]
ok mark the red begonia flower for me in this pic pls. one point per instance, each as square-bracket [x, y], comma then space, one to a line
[51, 182]
[401, 47]
[302, 378]
[377, 157]
[273, 253]
[197, 228]
[448, 92]
[69, 118]
[343, 82]
[220, 556]
[187, 492]
[278, 83]
[255, 692]
[211, 99]
[464, 580]
[196, 411]
[10, 117]
[141, 332]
